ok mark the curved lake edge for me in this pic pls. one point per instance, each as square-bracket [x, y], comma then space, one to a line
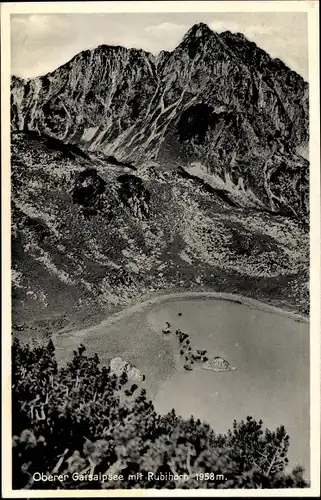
[229, 297]
[135, 334]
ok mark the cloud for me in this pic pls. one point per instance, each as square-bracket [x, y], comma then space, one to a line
[163, 36]
[165, 28]
[283, 41]
[221, 25]
[36, 25]
[248, 30]
[42, 42]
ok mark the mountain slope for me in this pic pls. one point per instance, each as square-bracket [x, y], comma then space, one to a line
[217, 100]
[89, 239]
[135, 175]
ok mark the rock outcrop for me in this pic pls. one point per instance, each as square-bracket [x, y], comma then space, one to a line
[218, 364]
[118, 366]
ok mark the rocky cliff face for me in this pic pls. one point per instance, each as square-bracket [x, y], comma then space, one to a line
[217, 100]
[134, 174]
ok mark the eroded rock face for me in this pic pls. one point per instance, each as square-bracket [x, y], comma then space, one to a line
[92, 98]
[217, 99]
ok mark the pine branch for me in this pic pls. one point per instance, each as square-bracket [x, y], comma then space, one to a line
[60, 461]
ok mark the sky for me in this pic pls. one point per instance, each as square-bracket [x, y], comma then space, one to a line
[42, 42]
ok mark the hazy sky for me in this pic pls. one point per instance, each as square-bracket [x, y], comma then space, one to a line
[42, 42]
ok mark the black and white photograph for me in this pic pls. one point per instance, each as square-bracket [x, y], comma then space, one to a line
[160, 183]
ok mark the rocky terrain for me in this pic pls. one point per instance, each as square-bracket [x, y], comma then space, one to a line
[134, 174]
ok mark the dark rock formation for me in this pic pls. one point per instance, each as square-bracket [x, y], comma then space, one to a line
[134, 195]
[87, 191]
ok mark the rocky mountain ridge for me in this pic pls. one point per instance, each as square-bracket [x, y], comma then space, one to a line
[217, 100]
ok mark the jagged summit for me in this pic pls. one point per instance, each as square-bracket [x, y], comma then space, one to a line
[238, 35]
[17, 80]
[199, 30]
[198, 37]
[119, 48]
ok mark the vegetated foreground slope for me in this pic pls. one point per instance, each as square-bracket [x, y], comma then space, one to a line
[134, 174]
[89, 236]
[80, 425]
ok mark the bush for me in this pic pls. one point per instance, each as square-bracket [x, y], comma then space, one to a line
[75, 420]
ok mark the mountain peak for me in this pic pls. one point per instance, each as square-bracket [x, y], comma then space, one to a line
[197, 38]
[199, 30]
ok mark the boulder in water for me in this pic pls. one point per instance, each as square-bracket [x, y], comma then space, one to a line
[218, 364]
[182, 337]
[118, 366]
[135, 374]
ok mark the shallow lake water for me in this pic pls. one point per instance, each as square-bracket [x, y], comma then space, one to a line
[270, 351]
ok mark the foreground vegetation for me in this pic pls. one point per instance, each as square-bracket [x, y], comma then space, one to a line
[79, 424]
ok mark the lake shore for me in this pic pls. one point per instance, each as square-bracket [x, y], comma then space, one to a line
[230, 297]
[251, 335]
